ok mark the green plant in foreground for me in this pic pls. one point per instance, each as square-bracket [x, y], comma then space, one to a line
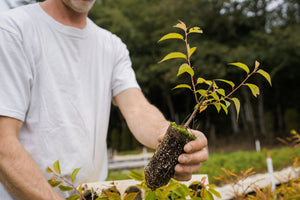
[66, 185]
[208, 92]
[58, 180]
[176, 190]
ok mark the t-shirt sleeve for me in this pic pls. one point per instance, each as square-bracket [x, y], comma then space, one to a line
[15, 76]
[123, 76]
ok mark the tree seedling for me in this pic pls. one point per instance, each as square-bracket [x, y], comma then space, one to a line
[206, 93]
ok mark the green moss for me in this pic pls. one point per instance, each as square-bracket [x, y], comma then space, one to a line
[182, 130]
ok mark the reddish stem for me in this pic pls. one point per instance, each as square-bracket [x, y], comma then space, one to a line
[70, 184]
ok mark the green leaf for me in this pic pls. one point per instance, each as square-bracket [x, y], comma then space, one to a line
[65, 188]
[130, 196]
[74, 173]
[179, 192]
[254, 89]
[224, 108]
[209, 196]
[237, 104]
[215, 96]
[201, 92]
[203, 193]
[80, 189]
[185, 189]
[192, 51]
[57, 167]
[114, 196]
[195, 30]
[218, 106]
[182, 86]
[54, 183]
[136, 175]
[150, 195]
[256, 64]
[172, 186]
[173, 55]
[180, 25]
[202, 80]
[227, 103]
[226, 81]
[221, 92]
[49, 170]
[214, 192]
[185, 68]
[74, 197]
[266, 75]
[241, 65]
[202, 108]
[171, 36]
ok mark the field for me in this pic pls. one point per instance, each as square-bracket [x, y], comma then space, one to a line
[237, 161]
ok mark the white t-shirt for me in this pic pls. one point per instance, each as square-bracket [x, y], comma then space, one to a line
[60, 80]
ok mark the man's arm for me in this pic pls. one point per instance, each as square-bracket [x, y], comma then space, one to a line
[18, 172]
[144, 120]
[148, 124]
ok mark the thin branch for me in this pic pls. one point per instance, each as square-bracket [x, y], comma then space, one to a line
[197, 108]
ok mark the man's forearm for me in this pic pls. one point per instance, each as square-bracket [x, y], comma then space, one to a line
[148, 125]
[144, 120]
[21, 175]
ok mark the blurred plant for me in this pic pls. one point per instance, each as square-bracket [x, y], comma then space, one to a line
[176, 190]
[288, 189]
[237, 182]
[114, 194]
[58, 179]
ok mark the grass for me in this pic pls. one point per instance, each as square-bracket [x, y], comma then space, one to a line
[237, 161]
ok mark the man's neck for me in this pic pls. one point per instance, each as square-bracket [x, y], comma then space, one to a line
[64, 14]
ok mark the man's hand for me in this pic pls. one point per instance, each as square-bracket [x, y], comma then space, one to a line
[190, 162]
[18, 172]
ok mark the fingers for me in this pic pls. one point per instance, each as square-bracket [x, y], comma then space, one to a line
[196, 145]
[193, 158]
[182, 177]
[187, 169]
[190, 162]
[184, 172]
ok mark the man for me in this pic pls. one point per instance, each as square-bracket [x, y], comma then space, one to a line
[58, 75]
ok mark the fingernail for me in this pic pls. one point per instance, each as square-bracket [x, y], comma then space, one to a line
[177, 168]
[188, 148]
[184, 159]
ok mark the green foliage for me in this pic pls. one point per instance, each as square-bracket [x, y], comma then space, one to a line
[57, 167]
[125, 139]
[207, 92]
[236, 161]
[57, 175]
[115, 138]
[175, 189]
[234, 31]
[286, 190]
[292, 118]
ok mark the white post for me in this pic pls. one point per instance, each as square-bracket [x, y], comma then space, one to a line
[145, 155]
[270, 170]
[257, 145]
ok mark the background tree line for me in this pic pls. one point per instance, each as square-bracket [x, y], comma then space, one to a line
[243, 31]
[234, 30]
